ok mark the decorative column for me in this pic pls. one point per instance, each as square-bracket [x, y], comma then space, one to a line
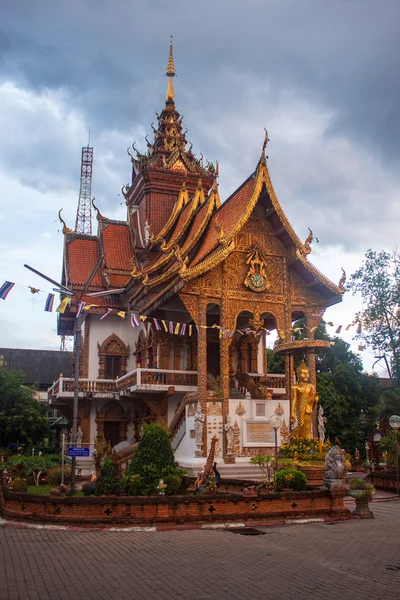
[202, 364]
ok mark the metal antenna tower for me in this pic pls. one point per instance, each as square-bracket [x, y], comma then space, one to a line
[84, 213]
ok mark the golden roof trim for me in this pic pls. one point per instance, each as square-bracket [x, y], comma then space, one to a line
[322, 278]
[66, 230]
[208, 263]
[182, 200]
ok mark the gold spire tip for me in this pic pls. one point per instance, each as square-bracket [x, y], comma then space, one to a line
[170, 72]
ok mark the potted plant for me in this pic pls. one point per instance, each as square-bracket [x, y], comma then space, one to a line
[291, 479]
[362, 493]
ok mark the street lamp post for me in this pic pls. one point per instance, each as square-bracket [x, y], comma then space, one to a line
[394, 423]
[276, 423]
[77, 346]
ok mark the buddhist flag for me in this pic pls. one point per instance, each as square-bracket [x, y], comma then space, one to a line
[348, 326]
[330, 324]
[106, 314]
[361, 348]
[33, 290]
[143, 318]
[64, 303]
[81, 306]
[339, 329]
[121, 313]
[177, 327]
[157, 325]
[359, 329]
[164, 325]
[135, 321]
[5, 289]
[183, 329]
[88, 307]
[190, 329]
[48, 307]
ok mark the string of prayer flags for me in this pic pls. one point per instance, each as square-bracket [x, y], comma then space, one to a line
[81, 306]
[135, 321]
[106, 314]
[88, 307]
[62, 307]
[157, 324]
[48, 307]
[5, 289]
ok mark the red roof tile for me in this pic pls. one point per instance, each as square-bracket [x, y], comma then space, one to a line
[82, 255]
[117, 246]
[227, 217]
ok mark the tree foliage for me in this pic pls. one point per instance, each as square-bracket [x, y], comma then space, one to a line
[348, 396]
[378, 282]
[22, 417]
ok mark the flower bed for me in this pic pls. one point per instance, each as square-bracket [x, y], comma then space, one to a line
[148, 510]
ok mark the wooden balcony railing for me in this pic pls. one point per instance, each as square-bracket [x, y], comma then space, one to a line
[139, 378]
[157, 378]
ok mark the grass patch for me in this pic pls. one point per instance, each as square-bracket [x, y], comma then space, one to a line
[44, 490]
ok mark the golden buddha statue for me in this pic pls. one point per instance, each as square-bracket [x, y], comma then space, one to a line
[304, 401]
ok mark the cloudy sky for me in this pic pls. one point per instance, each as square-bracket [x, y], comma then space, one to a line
[323, 77]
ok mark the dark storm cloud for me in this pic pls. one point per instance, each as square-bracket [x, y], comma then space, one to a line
[342, 54]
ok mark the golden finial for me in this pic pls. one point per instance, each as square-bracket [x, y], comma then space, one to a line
[66, 230]
[170, 73]
[342, 281]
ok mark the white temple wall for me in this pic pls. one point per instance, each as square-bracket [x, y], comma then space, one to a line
[101, 330]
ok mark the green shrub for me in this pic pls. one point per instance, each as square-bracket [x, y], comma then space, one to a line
[360, 484]
[291, 478]
[108, 483]
[54, 475]
[154, 449]
[19, 485]
[130, 485]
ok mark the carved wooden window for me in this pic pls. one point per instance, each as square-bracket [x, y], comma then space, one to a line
[113, 358]
[141, 351]
[113, 367]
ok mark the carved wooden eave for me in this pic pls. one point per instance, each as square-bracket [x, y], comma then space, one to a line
[182, 200]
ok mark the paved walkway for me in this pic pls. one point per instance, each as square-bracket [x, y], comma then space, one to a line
[355, 560]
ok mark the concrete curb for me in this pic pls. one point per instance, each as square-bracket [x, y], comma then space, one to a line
[161, 528]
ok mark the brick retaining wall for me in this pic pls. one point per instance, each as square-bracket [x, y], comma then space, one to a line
[143, 511]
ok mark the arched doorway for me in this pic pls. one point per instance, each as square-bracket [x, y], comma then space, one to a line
[112, 423]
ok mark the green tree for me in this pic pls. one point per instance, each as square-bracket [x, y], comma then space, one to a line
[349, 397]
[378, 282]
[22, 417]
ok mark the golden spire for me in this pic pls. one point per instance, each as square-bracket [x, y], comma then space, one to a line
[170, 72]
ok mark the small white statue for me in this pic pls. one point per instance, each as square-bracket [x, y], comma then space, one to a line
[147, 233]
[229, 435]
[321, 424]
[79, 437]
[198, 428]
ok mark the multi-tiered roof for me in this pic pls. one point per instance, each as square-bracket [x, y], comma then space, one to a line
[177, 228]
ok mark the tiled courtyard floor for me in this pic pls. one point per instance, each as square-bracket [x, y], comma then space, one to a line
[355, 560]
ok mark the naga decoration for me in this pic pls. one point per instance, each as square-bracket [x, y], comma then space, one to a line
[307, 243]
[342, 281]
[66, 230]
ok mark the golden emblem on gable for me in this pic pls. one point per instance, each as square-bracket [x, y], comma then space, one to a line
[178, 166]
[256, 278]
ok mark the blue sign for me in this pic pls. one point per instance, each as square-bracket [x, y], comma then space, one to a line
[79, 452]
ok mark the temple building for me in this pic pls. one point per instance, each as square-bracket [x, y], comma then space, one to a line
[196, 285]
